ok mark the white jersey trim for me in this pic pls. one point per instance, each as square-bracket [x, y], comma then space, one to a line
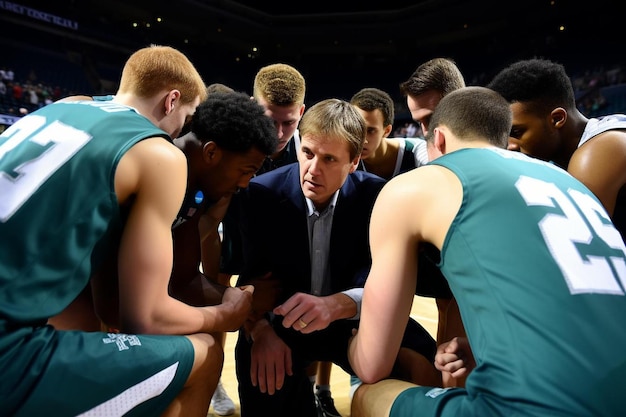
[135, 395]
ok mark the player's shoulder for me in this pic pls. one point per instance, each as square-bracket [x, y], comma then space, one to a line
[153, 157]
[159, 150]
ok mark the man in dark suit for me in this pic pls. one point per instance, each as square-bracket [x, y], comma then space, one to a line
[307, 225]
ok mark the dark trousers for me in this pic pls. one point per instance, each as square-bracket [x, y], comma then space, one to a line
[328, 345]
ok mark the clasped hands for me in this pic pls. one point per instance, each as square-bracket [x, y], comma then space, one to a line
[241, 304]
[455, 357]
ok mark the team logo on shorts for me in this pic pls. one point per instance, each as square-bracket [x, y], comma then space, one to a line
[436, 392]
[121, 339]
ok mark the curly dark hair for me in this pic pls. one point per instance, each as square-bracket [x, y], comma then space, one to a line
[235, 122]
[539, 83]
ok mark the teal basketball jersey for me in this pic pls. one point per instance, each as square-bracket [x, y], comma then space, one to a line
[539, 273]
[58, 208]
[59, 217]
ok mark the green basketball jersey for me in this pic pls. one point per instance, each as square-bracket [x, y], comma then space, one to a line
[58, 209]
[59, 217]
[539, 273]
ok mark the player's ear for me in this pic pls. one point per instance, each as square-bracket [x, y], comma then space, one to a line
[355, 164]
[439, 140]
[387, 131]
[558, 117]
[171, 100]
[211, 153]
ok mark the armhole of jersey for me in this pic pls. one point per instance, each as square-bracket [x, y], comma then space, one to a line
[407, 157]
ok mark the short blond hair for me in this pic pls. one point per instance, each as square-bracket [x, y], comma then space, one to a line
[155, 68]
[280, 85]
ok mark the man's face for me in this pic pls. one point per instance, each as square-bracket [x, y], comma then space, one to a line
[376, 132]
[532, 134]
[182, 114]
[286, 119]
[324, 166]
[232, 172]
[422, 107]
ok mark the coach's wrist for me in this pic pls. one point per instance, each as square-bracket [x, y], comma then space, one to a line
[258, 328]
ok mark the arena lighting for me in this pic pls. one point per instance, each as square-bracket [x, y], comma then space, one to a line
[39, 15]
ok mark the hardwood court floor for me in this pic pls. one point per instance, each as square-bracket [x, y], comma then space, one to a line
[424, 311]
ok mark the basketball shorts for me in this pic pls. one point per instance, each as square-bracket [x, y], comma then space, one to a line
[73, 373]
[456, 402]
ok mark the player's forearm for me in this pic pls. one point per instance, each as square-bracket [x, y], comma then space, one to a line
[199, 291]
[210, 239]
[370, 363]
[211, 249]
[175, 317]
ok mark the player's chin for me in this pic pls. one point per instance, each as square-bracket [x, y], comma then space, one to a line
[281, 146]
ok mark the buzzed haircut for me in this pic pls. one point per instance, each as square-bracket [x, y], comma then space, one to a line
[155, 68]
[280, 85]
[474, 113]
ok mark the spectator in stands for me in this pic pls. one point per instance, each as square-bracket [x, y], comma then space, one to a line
[7, 75]
[33, 98]
[411, 130]
[18, 92]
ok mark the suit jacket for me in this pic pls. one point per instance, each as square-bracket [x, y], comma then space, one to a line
[275, 230]
[276, 239]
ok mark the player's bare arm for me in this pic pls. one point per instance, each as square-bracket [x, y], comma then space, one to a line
[146, 247]
[599, 165]
[387, 302]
